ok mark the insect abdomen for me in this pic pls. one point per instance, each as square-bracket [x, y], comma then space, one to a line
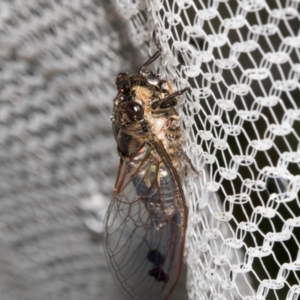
[158, 200]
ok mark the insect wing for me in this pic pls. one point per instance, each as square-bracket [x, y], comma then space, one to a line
[145, 226]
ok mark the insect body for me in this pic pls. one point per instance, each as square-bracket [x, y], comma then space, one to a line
[146, 221]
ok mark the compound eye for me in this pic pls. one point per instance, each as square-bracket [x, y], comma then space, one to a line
[134, 110]
[122, 83]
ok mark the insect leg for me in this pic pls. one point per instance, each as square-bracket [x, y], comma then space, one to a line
[156, 41]
[165, 102]
[154, 56]
[186, 159]
[149, 61]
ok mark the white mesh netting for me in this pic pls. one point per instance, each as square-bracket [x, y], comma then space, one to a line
[241, 124]
[58, 61]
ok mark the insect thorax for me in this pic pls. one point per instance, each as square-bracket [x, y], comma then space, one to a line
[136, 122]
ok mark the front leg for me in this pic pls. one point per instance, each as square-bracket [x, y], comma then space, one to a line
[168, 101]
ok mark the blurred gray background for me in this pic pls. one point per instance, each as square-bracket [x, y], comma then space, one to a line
[58, 159]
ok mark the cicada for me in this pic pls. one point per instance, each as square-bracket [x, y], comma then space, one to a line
[146, 221]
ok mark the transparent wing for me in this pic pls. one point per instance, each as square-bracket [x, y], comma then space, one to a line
[145, 225]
